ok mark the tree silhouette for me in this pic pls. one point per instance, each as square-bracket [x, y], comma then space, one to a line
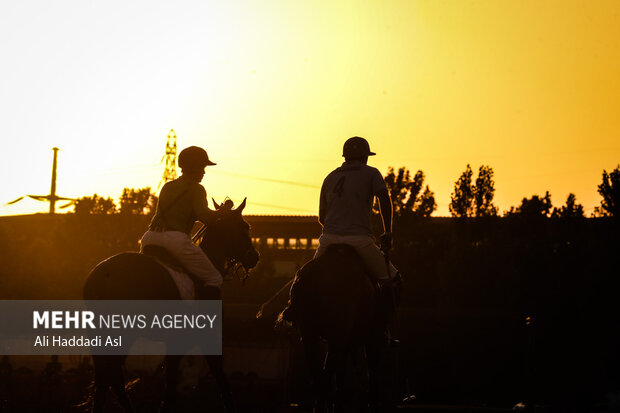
[407, 195]
[534, 207]
[138, 201]
[484, 191]
[461, 204]
[571, 210]
[426, 205]
[474, 200]
[94, 205]
[609, 189]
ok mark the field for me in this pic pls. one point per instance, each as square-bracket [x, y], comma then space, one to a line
[495, 312]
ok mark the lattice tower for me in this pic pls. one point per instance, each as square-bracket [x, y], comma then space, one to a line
[170, 158]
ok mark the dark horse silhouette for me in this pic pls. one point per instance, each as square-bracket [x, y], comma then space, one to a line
[334, 299]
[135, 276]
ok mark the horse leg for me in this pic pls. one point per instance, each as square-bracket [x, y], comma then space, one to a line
[170, 394]
[109, 373]
[101, 383]
[315, 360]
[118, 383]
[345, 367]
[343, 396]
[378, 373]
[216, 366]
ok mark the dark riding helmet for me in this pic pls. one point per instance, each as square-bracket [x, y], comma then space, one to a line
[194, 158]
[356, 147]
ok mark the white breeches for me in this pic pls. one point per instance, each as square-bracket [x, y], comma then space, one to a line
[189, 255]
[373, 258]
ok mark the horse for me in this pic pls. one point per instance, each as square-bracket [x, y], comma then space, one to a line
[334, 299]
[137, 276]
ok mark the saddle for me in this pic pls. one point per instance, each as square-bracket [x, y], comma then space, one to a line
[182, 278]
[346, 251]
[162, 254]
[187, 284]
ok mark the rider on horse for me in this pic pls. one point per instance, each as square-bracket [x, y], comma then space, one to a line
[345, 213]
[345, 208]
[182, 202]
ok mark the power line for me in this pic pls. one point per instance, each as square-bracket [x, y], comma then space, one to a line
[281, 207]
[259, 178]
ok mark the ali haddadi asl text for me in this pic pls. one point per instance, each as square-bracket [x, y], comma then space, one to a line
[78, 341]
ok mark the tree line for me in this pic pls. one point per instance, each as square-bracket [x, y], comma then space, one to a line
[410, 197]
[132, 202]
[474, 198]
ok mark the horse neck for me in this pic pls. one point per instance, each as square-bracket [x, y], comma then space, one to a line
[215, 254]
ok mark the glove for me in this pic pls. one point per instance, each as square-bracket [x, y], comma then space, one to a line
[386, 241]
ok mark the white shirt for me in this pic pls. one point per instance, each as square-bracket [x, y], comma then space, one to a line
[347, 196]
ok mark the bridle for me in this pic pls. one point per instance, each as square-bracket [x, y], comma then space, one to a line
[232, 266]
[236, 269]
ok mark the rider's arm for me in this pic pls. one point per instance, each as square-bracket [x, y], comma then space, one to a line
[322, 206]
[379, 189]
[201, 205]
[385, 207]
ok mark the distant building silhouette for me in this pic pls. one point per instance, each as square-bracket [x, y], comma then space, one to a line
[290, 240]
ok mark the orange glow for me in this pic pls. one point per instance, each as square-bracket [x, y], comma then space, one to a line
[272, 90]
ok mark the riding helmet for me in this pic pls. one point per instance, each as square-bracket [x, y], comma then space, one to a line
[356, 147]
[194, 157]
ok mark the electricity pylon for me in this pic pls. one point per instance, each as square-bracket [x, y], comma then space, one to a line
[52, 197]
[170, 170]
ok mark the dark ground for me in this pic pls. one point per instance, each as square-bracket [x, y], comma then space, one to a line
[495, 312]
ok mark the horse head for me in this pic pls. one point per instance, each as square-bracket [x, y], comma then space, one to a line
[226, 238]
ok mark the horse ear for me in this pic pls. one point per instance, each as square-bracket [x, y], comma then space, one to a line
[217, 206]
[241, 206]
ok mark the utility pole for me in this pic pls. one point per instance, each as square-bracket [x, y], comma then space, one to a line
[52, 196]
[170, 170]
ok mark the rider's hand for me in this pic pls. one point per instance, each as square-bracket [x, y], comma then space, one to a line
[386, 241]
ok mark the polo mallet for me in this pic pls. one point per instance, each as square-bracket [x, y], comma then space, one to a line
[273, 297]
[396, 324]
[391, 282]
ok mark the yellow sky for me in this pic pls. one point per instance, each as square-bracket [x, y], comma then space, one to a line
[272, 89]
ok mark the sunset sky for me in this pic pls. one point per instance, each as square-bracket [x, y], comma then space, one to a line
[272, 89]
